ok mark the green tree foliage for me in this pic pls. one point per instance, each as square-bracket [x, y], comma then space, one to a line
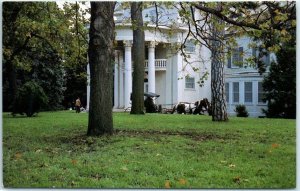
[280, 83]
[270, 23]
[75, 79]
[75, 54]
[47, 70]
[29, 99]
[41, 37]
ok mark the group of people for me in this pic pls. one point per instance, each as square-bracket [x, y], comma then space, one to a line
[199, 107]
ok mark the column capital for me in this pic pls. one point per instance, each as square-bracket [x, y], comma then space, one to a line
[152, 44]
[127, 43]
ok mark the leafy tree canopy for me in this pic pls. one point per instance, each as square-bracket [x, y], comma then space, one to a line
[268, 22]
[280, 83]
[40, 35]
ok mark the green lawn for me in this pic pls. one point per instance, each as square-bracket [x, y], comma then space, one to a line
[150, 151]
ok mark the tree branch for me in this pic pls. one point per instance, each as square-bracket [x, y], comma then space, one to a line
[224, 18]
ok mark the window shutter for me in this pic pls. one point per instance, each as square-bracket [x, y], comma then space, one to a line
[227, 92]
[254, 52]
[229, 59]
[268, 59]
[240, 54]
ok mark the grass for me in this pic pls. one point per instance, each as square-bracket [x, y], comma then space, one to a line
[150, 151]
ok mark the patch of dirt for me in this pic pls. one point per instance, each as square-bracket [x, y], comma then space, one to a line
[149, 133]
[78, 139]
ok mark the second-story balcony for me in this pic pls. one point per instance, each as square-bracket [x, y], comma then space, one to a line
[160, 64]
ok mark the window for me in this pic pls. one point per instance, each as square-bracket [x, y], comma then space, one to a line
[189, 83]
[190, 46]
[248, 92]
[266, 59]
[229, 59]
[236, 59]
[260, 91]
[235, 92]
[227, 92]
[254, 52]
[152, 15]
[146, 87]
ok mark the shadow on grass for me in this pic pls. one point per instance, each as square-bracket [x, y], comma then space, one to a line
[22, 116]
[155, 133]
[79, 139]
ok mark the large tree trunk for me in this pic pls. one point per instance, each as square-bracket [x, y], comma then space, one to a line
[12, 85]
[218, 96]
[11, 12]
[101, 68]
[138, 58]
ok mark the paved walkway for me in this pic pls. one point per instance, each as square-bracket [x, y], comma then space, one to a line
[118, 110]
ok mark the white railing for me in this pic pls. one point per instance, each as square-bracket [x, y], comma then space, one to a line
[159, 63]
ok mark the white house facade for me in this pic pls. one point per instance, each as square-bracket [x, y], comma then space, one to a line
[170, 75]
[166, 72]
[243, 83]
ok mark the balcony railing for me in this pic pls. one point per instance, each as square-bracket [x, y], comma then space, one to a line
[159, 63]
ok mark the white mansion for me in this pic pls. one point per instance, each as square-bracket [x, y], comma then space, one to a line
[168, 74]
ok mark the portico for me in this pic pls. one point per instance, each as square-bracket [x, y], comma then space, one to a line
[123, 72]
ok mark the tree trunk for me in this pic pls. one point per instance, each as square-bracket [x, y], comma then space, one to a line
[11, 12]
[138, 59]
[101, 68]
[218, 99]
[12, 80]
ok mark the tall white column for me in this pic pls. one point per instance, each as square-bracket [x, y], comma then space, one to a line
[169, 80]
[121, 81]
[180, 84]
[151, 67]
[174, 86]
[116, 80]
[128, 74]
[88, 88]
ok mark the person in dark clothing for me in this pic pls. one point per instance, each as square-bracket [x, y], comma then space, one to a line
[149, 104]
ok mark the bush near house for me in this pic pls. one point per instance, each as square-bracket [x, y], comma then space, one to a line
[241, 111]
[149, 151]
[29, 99]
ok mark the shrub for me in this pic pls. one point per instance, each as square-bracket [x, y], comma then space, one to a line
[29, 99]
[241, 111]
